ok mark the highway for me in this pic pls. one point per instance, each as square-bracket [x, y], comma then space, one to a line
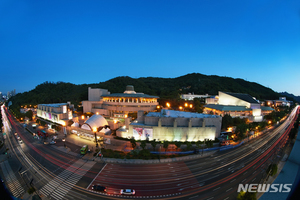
[62, 175]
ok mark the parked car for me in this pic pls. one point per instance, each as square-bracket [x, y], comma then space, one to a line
[127, 191]
[99, 188]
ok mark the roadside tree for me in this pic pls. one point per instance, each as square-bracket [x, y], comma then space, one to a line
[166, 145]
[133, 143]
[143, 144]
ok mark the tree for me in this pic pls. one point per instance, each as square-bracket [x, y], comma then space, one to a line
[272, 169]
[241, 130]
[227, 121]
[143, 144]
[177, 144]
[198, 144]
[133, 143]
[29, 114]
[166, 145]
[188, 145]
[153, 144]
[246, 195]
[209, 143]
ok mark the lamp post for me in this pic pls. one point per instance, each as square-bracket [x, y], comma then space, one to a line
[64, 140]
[95, 130]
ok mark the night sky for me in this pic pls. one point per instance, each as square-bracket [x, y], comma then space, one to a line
[93, 41]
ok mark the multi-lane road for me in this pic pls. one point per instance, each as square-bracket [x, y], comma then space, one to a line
[59, 174]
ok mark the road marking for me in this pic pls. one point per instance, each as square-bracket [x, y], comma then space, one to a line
[194, 197]
[59, 186]
[216, 188]
[12, 182]
[228, 189]
[210, 198]
[232, 180]
[253, 179]
[97, 176]
[226, 198]
[244, 180]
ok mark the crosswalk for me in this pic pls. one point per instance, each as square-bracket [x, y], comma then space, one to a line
[11, 181]
[58, 187]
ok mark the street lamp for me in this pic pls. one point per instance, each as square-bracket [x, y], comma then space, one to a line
[95, 130]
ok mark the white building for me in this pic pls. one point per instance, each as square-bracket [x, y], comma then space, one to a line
[58, 112]
[238, 105]
[191, 97]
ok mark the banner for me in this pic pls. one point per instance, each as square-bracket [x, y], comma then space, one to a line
[143, 133]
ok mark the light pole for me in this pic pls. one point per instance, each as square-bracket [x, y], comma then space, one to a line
[95, 130]
[64, 140]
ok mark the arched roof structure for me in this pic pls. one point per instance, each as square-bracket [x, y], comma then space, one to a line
[94, 121]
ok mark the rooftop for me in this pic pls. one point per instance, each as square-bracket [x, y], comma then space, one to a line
[136, 95]
[227, 108]
[176, 114]
[265, 108]
[246, 97]
[54, 104]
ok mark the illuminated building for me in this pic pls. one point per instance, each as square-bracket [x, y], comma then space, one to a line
[118, 104]
[238, 105]
[57, 112]
[173, 125]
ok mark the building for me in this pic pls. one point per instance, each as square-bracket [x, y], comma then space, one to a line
[173, 125]
[58, 112]
[212, 100]
[238, 105]
[118, 104]
[281, 102]
[191, 97]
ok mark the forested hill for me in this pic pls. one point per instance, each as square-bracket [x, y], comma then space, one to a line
[59, 92]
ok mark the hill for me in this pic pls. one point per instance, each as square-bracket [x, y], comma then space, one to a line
[290, 96]
[167, 88]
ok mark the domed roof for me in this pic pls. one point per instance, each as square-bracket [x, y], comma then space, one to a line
[94, 121]
[129, 88]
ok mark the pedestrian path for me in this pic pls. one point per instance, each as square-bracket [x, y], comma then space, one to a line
[58, 187]
[11, 181]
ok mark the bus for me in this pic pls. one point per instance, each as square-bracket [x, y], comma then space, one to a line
[84, 149]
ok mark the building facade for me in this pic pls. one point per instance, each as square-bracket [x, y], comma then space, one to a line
[191, 96]
[238, 105]
[58, 113]
[119, 104]
[173, 125]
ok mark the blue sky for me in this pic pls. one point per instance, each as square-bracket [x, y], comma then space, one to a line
[94, 41]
